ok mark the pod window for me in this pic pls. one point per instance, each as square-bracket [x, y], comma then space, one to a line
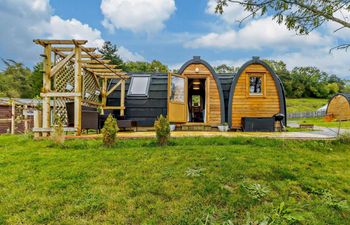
[139, 86]
[256, 85]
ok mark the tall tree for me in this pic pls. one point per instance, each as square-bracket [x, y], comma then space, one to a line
[15, 80]
[154, 67]
[36, 79]
[303, 16]
[225, 69]
[110, 52]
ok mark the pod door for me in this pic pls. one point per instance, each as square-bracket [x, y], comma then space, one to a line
[177, 98]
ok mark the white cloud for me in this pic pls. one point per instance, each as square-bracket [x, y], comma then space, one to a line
[233, 13]
[22, 21]
[59, 28]
[137, 15]
[336, 62]
[127, 55]
[258, 34]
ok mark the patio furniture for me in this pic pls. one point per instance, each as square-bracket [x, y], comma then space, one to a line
[89, 117]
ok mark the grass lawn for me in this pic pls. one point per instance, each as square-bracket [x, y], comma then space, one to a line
[320, 122]
[192, 181]
[305, 104]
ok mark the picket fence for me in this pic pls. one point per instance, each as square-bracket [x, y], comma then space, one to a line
[306, 114]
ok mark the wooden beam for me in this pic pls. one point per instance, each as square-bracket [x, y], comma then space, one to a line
[59, 65]
[104, 92]
[114, 87]
[47, 88]
[65, 129]
[77, 90]
[122, 98]
[103, 61]
[37, 124]
[58, 94]
[112, 76]
[91, 56]
[105, 70]
[98, 66]
[113, 107]
[68, 49]
[92, 103]
[60, 42]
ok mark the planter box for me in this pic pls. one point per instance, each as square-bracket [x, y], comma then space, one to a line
[172, 127]
[223, 128]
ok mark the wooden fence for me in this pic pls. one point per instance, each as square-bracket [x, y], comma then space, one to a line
[306, 115]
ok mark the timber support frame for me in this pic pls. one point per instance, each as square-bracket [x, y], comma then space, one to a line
[76, 73]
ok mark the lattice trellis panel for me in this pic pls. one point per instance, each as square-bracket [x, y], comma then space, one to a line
[91, 90]
[63, 82]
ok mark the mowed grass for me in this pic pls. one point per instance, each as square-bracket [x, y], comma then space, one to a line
[322, 123]
[304, 104]
[192, 181]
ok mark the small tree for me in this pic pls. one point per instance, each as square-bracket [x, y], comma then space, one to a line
[109, 131]
[162, 127]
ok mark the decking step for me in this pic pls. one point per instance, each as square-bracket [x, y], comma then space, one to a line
[195, 127]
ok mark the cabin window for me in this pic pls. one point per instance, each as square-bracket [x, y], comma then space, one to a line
[139, 86]
[255, 85]
[177, 89]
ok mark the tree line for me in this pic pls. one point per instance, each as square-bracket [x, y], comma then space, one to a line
[18, 81]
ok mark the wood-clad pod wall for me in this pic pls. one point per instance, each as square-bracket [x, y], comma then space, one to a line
[214, 100]
[339, 106]
[256, 91]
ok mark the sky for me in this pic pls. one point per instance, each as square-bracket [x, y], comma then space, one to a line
[172, 31]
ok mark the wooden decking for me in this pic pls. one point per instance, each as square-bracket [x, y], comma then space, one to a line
[195, 127]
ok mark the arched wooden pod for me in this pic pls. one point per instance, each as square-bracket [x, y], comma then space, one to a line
[243, 104]
[339, 106]
[216, 108]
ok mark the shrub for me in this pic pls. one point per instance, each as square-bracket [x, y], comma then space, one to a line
[162, 127]
[58, 132]
[109, 131]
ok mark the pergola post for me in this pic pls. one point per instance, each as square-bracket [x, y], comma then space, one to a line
[77, 90]
[104, 92]
[47, 89]
[122, 98]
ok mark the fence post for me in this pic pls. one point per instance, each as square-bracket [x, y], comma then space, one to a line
[13, 116]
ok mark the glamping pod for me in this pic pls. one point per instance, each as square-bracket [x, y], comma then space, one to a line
[339, 107]
[195, 94]
[256, 96]
[192, 96]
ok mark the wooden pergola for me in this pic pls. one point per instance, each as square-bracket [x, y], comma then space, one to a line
[73, 72]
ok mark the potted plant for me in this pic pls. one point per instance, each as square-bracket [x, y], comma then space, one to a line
[223, 127]
[172, 127]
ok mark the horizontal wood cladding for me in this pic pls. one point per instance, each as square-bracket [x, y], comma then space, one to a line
[339, 107]
[214, 104]
[244, 105]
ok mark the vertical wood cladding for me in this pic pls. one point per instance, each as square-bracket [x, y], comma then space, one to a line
[339, 107]
[246, 105]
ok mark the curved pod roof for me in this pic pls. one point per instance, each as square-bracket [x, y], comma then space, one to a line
[278, 84]
[342, 111]
[198, 60]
